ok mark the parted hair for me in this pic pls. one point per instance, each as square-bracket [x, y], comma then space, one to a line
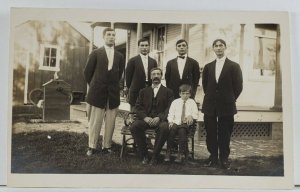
[185, 88]
[107, 29]
[220, 40]
[142, 40]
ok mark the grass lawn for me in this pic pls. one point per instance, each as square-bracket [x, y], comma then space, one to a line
[65, 152]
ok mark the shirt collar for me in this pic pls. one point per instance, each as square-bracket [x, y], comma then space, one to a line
[107, 47]
[157, 86]
[221, 59]
[185, 56]
[144, 56]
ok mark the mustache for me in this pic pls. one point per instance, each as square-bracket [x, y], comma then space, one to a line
[156, 78]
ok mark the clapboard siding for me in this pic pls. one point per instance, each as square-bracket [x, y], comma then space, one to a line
[29, 38]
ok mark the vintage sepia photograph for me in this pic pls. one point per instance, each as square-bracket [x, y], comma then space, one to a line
[149, 95]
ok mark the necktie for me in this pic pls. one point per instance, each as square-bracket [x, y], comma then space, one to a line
[181, 57]
[183, 113]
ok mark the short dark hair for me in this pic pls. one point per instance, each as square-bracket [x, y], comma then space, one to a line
[107, 29]
[221, 40]
[142, 40]
[184, 88]
[156, 68]
[180, 41]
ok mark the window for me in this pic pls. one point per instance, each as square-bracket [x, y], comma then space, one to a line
[265, 50]
[161, 37]
[49, 57]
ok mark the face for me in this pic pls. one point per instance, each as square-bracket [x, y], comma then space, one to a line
[219, 49]
[185, 95]
[156, 76]
[144, 47]
[109, 38]
[182, 48]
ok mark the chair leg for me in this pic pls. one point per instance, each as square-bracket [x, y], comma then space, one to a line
[123, 147]
[193, 152]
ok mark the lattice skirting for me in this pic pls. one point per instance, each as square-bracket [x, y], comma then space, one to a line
[245, 130]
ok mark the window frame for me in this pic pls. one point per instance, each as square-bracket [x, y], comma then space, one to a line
[42, 56]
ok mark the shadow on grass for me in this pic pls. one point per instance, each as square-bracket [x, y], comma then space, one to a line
[65, 152]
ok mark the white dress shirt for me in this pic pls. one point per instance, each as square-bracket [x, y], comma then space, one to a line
[219, 67]
[181, 64]
[175, 110]
[145, 64]
[110, 56]
[155, 89]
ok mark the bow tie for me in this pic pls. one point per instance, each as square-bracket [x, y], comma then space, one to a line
[181, 57]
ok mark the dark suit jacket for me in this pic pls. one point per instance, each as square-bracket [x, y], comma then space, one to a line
[190, 76]
[135, 76]
[164, 99]
[103, 84]
[220, 97]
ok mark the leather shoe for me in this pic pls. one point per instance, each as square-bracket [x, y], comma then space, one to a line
[153, 161]
[212, 163]
[90, 151]
[179, 158]
[168, 156]
[225, 164]
[145, 161]
[107, 150]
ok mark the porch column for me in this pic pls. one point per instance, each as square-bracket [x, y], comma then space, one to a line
[139, 32]
[112, 25]
[185, 32]
[92, 39]
[241, 56]
[278, 75]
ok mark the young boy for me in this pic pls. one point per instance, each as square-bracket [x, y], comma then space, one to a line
[182, 113]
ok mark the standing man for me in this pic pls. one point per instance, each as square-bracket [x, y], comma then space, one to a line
[152, 108]
[182, 70]
[222, 84]
[138, 71]
[103, 72]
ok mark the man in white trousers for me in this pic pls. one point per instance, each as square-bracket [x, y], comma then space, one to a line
[103, 72]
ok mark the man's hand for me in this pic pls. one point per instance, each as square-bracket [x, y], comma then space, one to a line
[148, 120]
[155, 121]
[189, 120]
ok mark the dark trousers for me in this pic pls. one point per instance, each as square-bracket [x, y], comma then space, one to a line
[218, 130]
[138, 129]
[181, 131]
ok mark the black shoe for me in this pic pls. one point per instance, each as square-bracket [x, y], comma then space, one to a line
[211, 163]
[90, 151]
[153, 161]
[179, 158]
[225, 164]
[107, 151]
[168, 156]
[145, 161]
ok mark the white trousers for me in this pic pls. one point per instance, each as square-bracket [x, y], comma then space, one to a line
[96, 116]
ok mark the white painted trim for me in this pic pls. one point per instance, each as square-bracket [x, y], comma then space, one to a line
[26, 77]
[254, 116]
[42, 53]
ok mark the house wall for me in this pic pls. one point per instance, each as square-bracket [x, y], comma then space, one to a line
[258, 91]
[28, 40]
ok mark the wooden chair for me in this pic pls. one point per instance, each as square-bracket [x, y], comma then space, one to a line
[150, 133]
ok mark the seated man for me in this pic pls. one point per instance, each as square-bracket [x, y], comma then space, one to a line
[152, 108]
[182, 114]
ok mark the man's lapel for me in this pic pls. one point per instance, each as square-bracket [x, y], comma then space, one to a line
[140, 64]
[186, 67]
[105, 58]
[224, 69]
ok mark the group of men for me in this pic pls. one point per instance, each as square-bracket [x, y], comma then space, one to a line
[222, 84]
